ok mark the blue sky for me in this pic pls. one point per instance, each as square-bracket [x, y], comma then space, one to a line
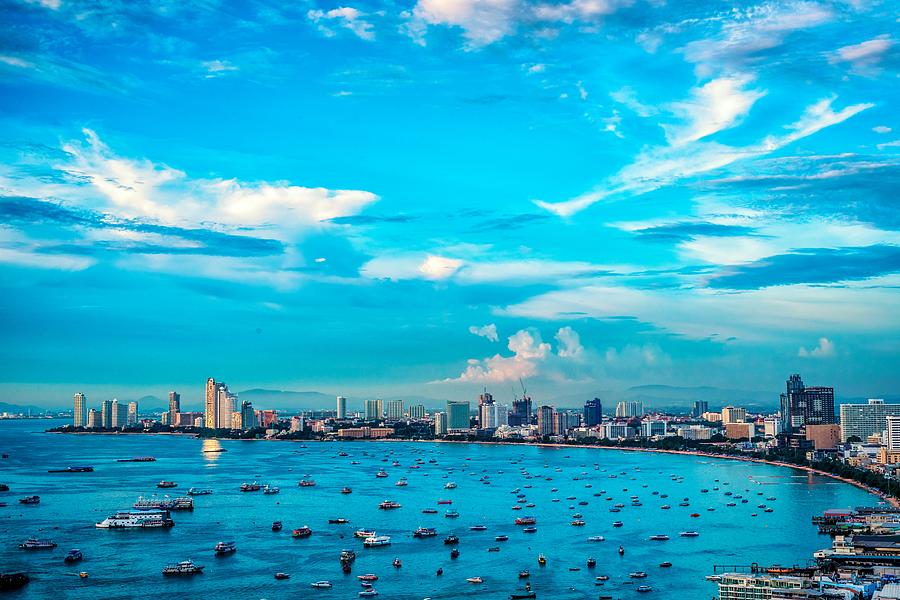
[430, 197]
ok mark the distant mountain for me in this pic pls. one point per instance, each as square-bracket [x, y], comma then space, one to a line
[20, 408]
[262, 398]
[668, 396]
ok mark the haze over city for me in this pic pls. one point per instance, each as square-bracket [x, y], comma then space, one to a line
[430, 198]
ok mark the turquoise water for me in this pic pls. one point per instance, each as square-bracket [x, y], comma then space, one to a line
[127, 563]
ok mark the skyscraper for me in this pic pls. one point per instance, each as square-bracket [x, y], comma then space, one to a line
[79, 414]
[731, 414]
[545, 420]
[593, 412]
[174, 407]
[417, 411]
[801, 405]
[700, 407]
[92, 419]
[374, 409]
[485, 398]
[211, 420]
[457, 415]
[634, 408]
[521, 412]
[440, 423]
[225, 401]
[395, 410]
[863, 420]
[132, 413]
[341, 407]
[248, 415]
[106, 416]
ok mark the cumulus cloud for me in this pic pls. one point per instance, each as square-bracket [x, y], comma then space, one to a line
[486, 331]
[825, 349]
[569, 343]
[344, 16]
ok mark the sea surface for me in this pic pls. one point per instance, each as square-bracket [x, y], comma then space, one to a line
[128, 563]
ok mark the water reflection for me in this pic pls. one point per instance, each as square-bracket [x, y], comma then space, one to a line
[212, 449]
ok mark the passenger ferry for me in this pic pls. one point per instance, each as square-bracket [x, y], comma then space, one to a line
[389, 504]
[166, 484]
[376, 541]
[165, 503]
[199, 492]
[139, 519]
[185, 567]
[225, 548]
[36, 544]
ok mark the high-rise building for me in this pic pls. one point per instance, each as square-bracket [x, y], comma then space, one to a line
[248, 416]
[892, 433]
[93, 419]
[106, 416]
[485, 398]
[174, 407]
[395, 410]
[651, 428]
[731, 414]
[629, 409]
[417, 411]
[115, 414]
[225, 402]
[341, 407]
[565, 420]
[521, 412]
[79, 414]
[374, 409]
[211, 415]
[133, 414]
[457, 415]
[440, 423]
[700, 407]
[801, 405]
[863, 420]
[237, 420]
[493, 415]
[593, 412]
[824, 437]
[545, 420]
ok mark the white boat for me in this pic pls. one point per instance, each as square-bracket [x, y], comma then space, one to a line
[146, 519]
[376, 541]
[368, 593]
[689, 534]
[596, 538]
[362, 533]
[449, 485]
[475, 580]
[321, 584]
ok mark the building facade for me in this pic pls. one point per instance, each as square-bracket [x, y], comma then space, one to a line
[625, 409]
[374, 409]
[521, 412]
[824, 437]
[174, 407]
[732, 414]
[440, 423]
[395, 410]
[417, 411]
[700, 407]
[863, 420]
[132, 418]
[79, 413]
[801, 405]
[457, 415]
[593, 412]
[545, 420]
[341, 407]
[211, 420]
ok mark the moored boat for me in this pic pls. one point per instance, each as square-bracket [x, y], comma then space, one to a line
[13, 581]
[301, 532]
[250, 487]
[225, 548]
[277, 526]
[423, 532]
[137, 519]
[36, 544]
[73, 556]
[166, 484]
[377, 541]
[185, 567]
[30, 500]
[321, 584]
[199, 492]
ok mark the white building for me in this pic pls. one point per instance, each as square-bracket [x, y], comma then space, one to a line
[417, 411]
[771, 427]
[863, 420]
[650, 428]
[892, 433]
[440, 423]
[394, 410]
[341, 407]
[79, 415]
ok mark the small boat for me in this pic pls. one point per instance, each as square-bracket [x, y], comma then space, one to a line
[478, 528]
[225, 548]
[501, 538]
[542, 560]
[449, 485]
[277, 526]
[596, 538]
[83, 574]
[270, 489]
[36, 544]
[321, 584]
[522, 595]
[281, 575]
[13, 581]
[451, 514]
[423, 532]
[637, 575]
[302, 532]
[346, 490]
[381, 474]
[388, 505]
[474, 579]
[367, 577]
[185, 567]
[429, 511]
[30, 500]
[577, 523]
[402, 483]
[688, 534]
[306, 483]
[529, 529]
[377, 541]
[338, 521]
[397, 564]
[494, 549]
[526, 521]
[368, 593]
[72, 470]
[362, 533]
[659, 537]
[524, 574]
[451, 539]
[621, 550]
[198, 492]
[592, 562]
[250, 487]
[665, 564]
[137, 459]
[166, 484]
[618, 523]
[73, 556]
[444, 502]
[643, 589]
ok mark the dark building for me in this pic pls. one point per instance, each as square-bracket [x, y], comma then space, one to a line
[593, 412]
[521, 412]
[700, 407]
[802, 406]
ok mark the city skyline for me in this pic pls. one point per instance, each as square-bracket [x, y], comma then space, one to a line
[429, 197]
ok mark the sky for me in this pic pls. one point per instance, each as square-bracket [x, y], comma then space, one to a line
[434, 197]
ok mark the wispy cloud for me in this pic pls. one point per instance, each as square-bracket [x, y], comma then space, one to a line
[825, 349]
[346, 17]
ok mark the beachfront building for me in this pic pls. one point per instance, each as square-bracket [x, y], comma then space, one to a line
[79, 414]
[341, 407]
[457, 415]
[545, 420]
[625, 409]
[733, 414]
[394, 410]
[863, 420]
[417, 411]
[374, 409]
[440, 423]
[802, 405]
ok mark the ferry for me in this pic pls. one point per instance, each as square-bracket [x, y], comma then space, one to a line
[30, 500]
[185, 567]
[73, 556]
[526, 521]
[36, 544]
[423, 532]
[389, 504]
[137, 519]
[501, 538]
[306, 483]
[225, 548]
[250, 487]
[166, 484]
[199, 492]
[346, 490]
[137, 459]
[689, 534]
[321, 584]
[164, 503]
[270, 489]
[301, 532]
[362, 533]
[376, 541]
[659, 537]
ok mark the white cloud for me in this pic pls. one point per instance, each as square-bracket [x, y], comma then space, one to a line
[579, 10]
[717, 105]
[411, 266]
[825, 349]
[346, 17]
[15, 61]
[881, 129]
[218, 68]
[627, 97]
[485, 331]
[569, 343]
[865, 56]
[482, 21]
[439, 267]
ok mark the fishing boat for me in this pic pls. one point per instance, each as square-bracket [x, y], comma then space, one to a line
[250, 487]
[397, 564]
[377, 541]
[388, 505]
[270, 489]
[362, 533]
[185, 567]
[225, 548]
[277, 525]
[542, 560]
[346, 490]
[423, 532]
[166, 484]
[526, 521]
[367, 577]
[73, 556]
[281, 575]
[306, 483]
[321, 584]
[199, 492]
[30, 500]
[302, 532]
[659, 537]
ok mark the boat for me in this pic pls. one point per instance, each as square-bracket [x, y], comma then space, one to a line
[388, 505]
[478, 528]
[444, 502]
[474, 579]
[429, 511]
[137, 459]
[137, 519]
[522, 595]
[13, 581]
[87, 469]
[301, 532]
[166, 484]
[618, 523]
[185, 567]
[321, 584]
[346, 490]
[529, 529]
[281, 575]
[277, 525]
[377, 541]
[526, 521]
[73, 556]
[501, 538]
[659, 537]
[621, 550]
[362, 533]
[451, 539]
[347, 556]
[665, 564]
[596, 538]
[577, 523]
[397, 564]
[199, 492]
[164, 503]
[592, 562]
[637, 575]
[451, 514]
[401, 483]
[454, 553]
[643, 589]
[30, 500]
[225, 548]
[367, 577]
[381, 474]
[494, 549]
[542, 560]
[270, 489]
[250, 487]
[423, 532]
[36, 544]
[368, 593]
[449, 485]
[306, 483]
[338, 521]
[688, 534]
